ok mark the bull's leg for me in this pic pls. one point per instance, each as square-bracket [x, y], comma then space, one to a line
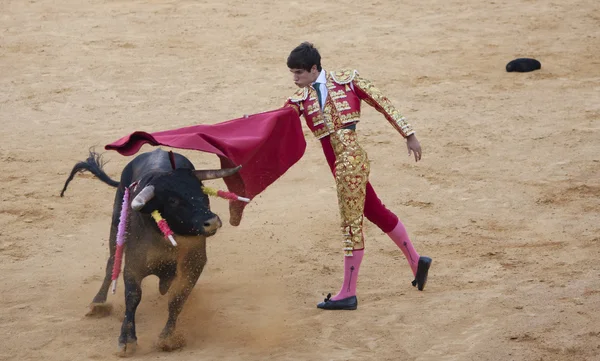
[188, 272]
[99, 307]
[133, 296]
[102, 293]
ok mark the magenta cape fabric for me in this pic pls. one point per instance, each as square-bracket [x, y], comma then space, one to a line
[266, 145]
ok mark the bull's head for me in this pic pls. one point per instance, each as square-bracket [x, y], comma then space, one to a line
[178, 196]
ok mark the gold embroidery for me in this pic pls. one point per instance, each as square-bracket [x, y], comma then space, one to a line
[351, 175]
[314, 107]
[344, 76]
[350, 117]
[321, 133]
[299, 95]
[337, 94]
[341, 106]
[330, 116]
[380, 102]
[318, 119]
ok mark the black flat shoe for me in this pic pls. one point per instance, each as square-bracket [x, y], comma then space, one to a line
[349, 303]
[422, 270]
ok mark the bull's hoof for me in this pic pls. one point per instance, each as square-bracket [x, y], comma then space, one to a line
[127, 349]
[99, 310]
[171, 343]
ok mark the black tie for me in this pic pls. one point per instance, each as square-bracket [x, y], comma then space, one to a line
[317, 87]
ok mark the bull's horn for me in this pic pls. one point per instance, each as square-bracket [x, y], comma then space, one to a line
[216, 173]
[142, 198]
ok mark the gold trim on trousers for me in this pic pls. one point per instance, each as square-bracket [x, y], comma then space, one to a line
[351, 177]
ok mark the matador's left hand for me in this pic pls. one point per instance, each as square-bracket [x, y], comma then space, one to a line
[413, 145]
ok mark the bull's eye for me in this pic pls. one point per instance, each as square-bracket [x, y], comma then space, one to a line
[173, 202]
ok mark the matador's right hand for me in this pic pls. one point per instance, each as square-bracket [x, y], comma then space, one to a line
[413, 145]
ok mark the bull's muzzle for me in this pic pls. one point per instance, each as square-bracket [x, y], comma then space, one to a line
[211, 226]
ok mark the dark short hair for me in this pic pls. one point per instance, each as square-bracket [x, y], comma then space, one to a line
[304, 56]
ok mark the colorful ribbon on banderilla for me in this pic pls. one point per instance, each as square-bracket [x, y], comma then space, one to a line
[160, 222]
[225, 195]
[123, 217]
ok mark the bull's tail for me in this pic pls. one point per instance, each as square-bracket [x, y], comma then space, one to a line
[94, 165]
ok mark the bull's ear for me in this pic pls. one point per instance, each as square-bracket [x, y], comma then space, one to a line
[142, 198]
[216, 173]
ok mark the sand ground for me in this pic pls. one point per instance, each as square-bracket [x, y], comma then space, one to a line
[506, 198]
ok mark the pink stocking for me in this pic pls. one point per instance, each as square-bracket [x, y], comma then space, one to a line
[400, 237]
[351, 267]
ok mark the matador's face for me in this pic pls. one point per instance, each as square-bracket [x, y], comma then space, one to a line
[303, 78]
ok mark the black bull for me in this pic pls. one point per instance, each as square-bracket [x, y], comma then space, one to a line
[177, 195]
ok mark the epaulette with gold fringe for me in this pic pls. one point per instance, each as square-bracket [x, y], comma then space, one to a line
[344, 76]
[299, 95]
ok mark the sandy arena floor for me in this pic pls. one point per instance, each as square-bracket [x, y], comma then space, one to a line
[506, 198]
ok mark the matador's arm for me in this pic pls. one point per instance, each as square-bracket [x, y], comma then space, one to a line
[366, 91]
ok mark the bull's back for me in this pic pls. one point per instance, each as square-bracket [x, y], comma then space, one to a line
[152, 162]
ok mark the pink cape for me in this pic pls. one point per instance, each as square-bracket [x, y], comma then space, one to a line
[266, 145]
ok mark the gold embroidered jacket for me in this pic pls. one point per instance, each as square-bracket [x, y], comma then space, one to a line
[342, 106]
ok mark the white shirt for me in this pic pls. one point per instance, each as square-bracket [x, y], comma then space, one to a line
[322, 79]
